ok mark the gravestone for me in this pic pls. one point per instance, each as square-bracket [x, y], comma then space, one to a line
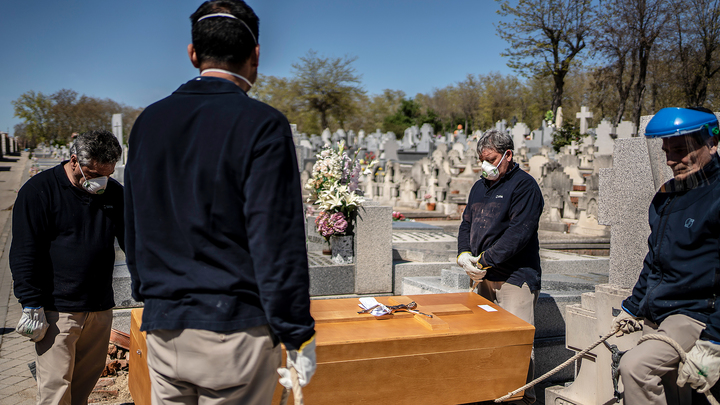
[424, 145]
[326, 137]
[519, 132]
[584, 115]
[605, 133]
[390, 148]
[410, 138]
[625, 130]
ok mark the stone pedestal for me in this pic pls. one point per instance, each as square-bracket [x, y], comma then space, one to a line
[373, 249]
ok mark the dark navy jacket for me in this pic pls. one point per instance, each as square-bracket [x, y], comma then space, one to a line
[681, 272]
[63, 246]
[502, 221]
[215, 225]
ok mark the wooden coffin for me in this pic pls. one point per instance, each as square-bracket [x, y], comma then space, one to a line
[138, 377]
[462, 354]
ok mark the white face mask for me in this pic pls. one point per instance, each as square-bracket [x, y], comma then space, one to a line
[229, 73]
[489, 170]
[96, 185]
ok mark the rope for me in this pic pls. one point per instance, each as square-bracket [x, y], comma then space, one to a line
[556, 369]
[567, 362]
[680, 353]
[296, 389]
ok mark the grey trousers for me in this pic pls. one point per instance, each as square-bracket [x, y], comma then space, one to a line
[649, 370]
[71, 356]
[519, 301]
[200, 367]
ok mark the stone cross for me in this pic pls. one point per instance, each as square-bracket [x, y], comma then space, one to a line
[584, 114]
[326, 137]
[118, 132]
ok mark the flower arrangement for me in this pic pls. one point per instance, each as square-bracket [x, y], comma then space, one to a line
[333, 187]
[397, 216]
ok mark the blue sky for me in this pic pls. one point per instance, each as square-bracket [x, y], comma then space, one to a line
[134, 52]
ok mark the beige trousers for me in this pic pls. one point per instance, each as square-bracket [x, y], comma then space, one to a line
[200, 367]
[649, 371]
[519, 301]
[71, 356]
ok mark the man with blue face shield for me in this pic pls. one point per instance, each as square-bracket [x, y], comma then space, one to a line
[64, 224]
[498, 239]
[677, 292]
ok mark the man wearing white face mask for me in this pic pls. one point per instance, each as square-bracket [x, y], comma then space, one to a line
[498, 239]
[64, 225]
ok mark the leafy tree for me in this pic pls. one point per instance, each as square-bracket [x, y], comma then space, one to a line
[54, 118]
[695, 46]
[627, 31]
[545, 36]
[35, 109]
[327, 85]
[566, 134]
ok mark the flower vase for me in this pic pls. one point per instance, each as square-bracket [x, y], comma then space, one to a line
[430, 206]
[342, 249]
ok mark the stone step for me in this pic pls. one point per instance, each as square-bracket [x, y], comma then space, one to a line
[425, 255]
[424, 240]
[403, 269]
[587, 301]
[577, 283]
[555, 262]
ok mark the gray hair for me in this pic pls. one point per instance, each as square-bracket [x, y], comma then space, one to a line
[494, 139]
[98, 145]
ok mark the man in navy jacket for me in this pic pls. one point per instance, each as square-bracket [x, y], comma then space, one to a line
[677, 292]
[215, 233]
[498, 239]
[65, 222]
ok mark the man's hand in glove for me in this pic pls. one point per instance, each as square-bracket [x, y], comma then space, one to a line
[32, 323]
[625, 324]
[469, 263]
[303, 361]
[702, 366]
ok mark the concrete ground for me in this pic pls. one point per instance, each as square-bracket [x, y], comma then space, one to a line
[17, 385]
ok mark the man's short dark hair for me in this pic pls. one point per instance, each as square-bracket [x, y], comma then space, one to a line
[98, 145]
[224, 40]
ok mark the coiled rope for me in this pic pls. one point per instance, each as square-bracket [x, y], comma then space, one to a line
[567, 362]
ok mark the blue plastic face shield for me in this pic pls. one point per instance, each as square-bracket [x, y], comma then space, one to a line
[688, 140]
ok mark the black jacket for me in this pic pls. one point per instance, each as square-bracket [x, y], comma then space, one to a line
[215, 226]
[63, 253]
[502, 220]
[681, 271]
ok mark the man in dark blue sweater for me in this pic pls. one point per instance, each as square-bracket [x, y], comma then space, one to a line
[215, 233]
[677, 292]
[498, 239]
[64, 224]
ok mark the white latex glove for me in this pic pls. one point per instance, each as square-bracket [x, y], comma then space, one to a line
[32, 323]
[469, 263]
[303, 361]
[702, 366]
[626, 324]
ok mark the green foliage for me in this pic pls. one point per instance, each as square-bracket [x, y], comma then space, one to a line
[549, 116]
[327, 85]
[54, 118]
[565, 135]
[544, 37]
